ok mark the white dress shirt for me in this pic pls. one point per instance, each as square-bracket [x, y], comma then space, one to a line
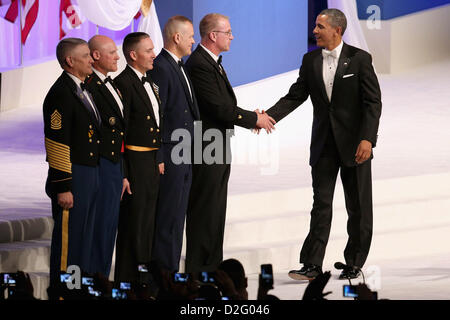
[330, 63]
[151, 95]
[77, 82]
[182, 69]
[110, 88]
[216, 58]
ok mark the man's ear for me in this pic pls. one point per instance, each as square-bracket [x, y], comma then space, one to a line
[69, 61]
[212, 36]
[95, 55]
[133, 55]
[176, 38]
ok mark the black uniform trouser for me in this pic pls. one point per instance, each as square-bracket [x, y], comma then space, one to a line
[357, 184]
[205, 220]
[137, 216]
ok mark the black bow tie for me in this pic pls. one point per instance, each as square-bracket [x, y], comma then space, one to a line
[180, 63]
[219, 61]
[108, 79]
[83, 86]
[145, 79]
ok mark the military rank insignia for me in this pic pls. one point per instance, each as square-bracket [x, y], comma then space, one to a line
[156, 91]
[90, 133]
[112, 121]
[55, 120]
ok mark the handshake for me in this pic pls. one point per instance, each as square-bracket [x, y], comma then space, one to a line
[264, 121]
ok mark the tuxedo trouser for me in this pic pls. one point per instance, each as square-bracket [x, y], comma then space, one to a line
[357, 185]
[205, 220]
[73, 229]
[107, 216]
[137, 215]
[173, 197]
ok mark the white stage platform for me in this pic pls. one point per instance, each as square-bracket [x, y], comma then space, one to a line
[270, 192]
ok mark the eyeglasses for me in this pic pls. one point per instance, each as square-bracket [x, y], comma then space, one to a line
[228, 33]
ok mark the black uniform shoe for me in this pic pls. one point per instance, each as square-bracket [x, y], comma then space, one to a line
[350, 273]
[308, 272]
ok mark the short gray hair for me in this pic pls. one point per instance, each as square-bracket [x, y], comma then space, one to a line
[65, 46]
[173, 26]
[209, 23]
[336, 18]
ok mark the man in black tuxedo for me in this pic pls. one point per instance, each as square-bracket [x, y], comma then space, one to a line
[112, 111]
[137, 214]
[179, 106]
[205, 220]
[346, 97]
[72, 135]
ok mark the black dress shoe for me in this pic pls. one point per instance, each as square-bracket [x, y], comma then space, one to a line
[308, 272]
[350, 273]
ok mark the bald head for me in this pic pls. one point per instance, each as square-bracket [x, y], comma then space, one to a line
[104, 53]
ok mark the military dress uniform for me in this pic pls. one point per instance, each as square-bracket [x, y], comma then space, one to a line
[71, 127]
[112, 111]
[138, 210]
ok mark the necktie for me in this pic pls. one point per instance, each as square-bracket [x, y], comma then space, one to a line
[145, 79]
[219, 61]
[108, 79]
[326, 54]
[83, 86]
[180, 63]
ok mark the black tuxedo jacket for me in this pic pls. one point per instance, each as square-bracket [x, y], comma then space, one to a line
[215, 96]
[355, 108]
[72, 133]
[178, 106]
[142, 129]
[113, 122]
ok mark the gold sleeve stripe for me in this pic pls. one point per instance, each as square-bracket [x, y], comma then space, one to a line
[64, 239]
[58, 155]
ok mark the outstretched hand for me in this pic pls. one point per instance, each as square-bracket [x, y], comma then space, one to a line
[264, 121]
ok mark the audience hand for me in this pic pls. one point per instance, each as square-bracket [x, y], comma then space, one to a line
[126, 186]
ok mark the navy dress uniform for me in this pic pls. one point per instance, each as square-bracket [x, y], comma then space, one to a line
[138, 210]
[72, 140]
[112, 112]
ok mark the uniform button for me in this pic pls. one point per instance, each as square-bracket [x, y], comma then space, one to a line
[154, 140]
[151, 129]
[185, 123]
[148, 117]
[157, 130]
[90, 140]
[98, 141]
[112, 142]
[121, 133]
[91, 154]
[90, 126]
[112, 153]
[113, 130]
[185, 111]
[239, 117]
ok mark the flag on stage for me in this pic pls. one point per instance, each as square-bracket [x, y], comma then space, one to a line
[30, 10]
[73, 19]
[149, 23]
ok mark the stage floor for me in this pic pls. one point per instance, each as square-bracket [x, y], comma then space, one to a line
[410, 254]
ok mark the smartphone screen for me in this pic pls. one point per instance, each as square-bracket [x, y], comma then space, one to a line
[180, 277]
[267, 274]
[142, 268]
[350, 291]
[207, 277]
[125, 286]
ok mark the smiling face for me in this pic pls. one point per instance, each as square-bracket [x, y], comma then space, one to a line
[327, 36]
